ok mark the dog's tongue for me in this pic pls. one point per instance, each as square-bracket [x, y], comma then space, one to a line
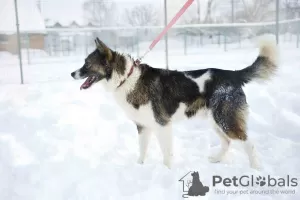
[87, 83]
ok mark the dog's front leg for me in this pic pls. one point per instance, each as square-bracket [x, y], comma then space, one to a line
[144, 139]
[165, 139]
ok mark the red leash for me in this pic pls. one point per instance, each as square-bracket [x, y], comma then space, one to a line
[171, 23]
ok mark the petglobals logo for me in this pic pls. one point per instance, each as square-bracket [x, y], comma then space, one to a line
[254, 185]
[193, 184]
[251, 181]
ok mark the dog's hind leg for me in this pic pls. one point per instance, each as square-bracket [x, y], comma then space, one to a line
[144, 139]
[165, 139]
[225, 142]
[230, 112]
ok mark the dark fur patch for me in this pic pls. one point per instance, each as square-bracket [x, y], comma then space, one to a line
[194, 107]
[165, 89]
[118, 63]
[229, 108]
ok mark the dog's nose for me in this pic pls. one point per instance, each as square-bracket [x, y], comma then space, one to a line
[73, 74]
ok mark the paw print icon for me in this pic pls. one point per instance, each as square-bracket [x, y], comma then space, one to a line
[261, 181]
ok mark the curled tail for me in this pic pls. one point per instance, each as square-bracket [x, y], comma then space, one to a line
[265, 65]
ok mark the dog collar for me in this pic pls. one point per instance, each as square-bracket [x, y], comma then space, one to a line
[135, 63]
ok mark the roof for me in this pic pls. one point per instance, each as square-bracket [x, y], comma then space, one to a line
[64, 24]
[30, 19]
[64, 12]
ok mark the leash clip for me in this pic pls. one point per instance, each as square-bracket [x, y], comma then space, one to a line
[138, 61]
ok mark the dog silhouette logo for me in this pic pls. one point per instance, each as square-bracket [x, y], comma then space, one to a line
[192, 186]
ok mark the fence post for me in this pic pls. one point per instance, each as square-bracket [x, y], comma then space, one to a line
[27, 48]
[232, 11]
[298, 39]
[277, 22]
[132, 45]
[166, 36]
[116, 41]
[225, 42]
[19, 41]
[201, 39]
[240, 40]
[219, 39]
[184, 42]
[137, 43]
[86, 43]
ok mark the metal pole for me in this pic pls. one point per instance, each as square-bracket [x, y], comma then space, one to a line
[298, 37]
[232, 11]
[19, 42]
[166, 36]
[199, 16]
[137, 43]
[39, 5]
[277, 22]
[185, 43]
[225, 42]
[198, 11]
[28, 47]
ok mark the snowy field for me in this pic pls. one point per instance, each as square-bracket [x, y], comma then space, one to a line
[60, 143]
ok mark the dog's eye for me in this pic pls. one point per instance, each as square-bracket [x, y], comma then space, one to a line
[88, 64]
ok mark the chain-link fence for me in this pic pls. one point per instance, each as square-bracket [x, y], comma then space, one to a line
[58, 42]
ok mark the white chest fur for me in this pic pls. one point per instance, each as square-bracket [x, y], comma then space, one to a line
[143, 115]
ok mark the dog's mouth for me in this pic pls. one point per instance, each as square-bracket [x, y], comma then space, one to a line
[89, 82]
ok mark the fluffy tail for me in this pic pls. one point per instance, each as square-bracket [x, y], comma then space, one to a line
[265, 65]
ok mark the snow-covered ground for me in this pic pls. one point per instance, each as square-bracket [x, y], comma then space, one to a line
[60, 143]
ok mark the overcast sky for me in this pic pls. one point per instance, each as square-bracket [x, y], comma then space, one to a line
[65, 11]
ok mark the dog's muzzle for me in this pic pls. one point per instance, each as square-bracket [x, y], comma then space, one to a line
[76, 75]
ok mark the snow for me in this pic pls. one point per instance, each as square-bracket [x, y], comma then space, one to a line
[30, 19]
[57, 142]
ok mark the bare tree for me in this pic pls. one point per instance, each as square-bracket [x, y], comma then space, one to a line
[193, 14]
[142, 15]
[292, 8]
[100, 12]
[256, 11]
[209, 7]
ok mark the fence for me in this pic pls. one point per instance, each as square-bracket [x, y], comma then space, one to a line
[63, 46]
[68, 42]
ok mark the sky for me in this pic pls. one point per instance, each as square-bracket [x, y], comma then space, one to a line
[69, 10]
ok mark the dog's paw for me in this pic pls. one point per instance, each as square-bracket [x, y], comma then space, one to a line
[215, 158]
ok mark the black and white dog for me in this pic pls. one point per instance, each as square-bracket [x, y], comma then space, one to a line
[156, 98]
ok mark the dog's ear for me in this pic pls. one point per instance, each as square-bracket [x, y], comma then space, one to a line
[102, 48]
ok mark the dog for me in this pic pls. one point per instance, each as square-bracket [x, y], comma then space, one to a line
[155, 98]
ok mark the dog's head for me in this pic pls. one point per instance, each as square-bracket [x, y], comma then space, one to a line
[100, 65]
